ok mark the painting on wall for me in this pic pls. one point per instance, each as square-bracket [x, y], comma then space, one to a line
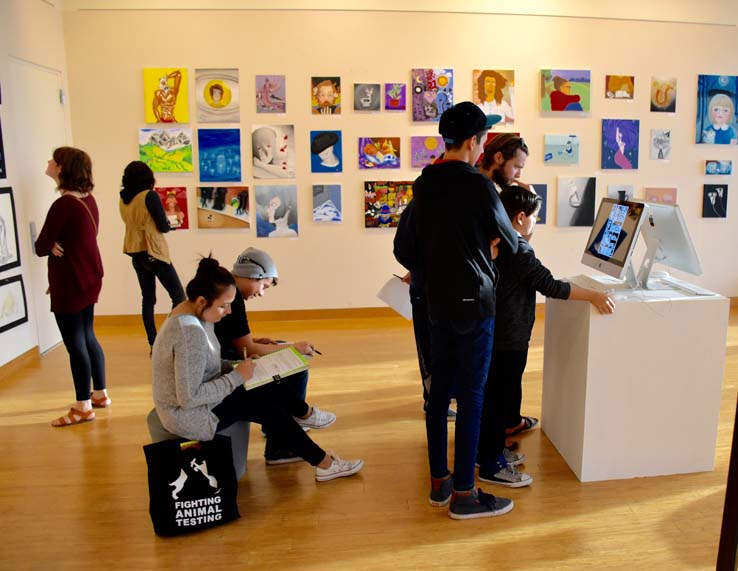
[713, 167]
[561, 149]
[715, 201]
[327, 203]
[619, 86]
[326, 151]
[223, 207]
[9, 248]
[271, 94]
[662, 195]
[494, 92]
[3, 171]
[326, 95]
[620, 143]
[542, 191]
[384, 202]
[220, 155]
[660, 144]
[166, 150]
[663, 94]
[367, 96]
[425, 150]
[576, 201]
[276, 211]
[621, 191]
[379, 152]
[13, 308]
[717, 96]
[217, 96]
[433, 93]
[395, 97]
[273, 151]
[165, 95]
[174, 201]
[565, 89]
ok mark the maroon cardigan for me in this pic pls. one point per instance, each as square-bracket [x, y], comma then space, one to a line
[75, 279]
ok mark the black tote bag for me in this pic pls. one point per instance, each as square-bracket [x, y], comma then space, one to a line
[192, 485]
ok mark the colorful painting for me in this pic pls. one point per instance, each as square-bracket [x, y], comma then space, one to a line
[433, 93]
[718, 167]
[273, 151]
[717, 96]
[565, 89]
[384, 202]
[661, 195]
[271, 94]
[715, 201]
[326, 154]
[9, 246]
[276, 211]
[660, 144]
[3, 172]
[663, 94]
[13, 303]
[217, 96]
[494, 92]
[542, 191]
[326, 95]
[561, 149]
[223, 207]
[379, 152]
[327, 203]
[621, 191]
[220, 155]
[620, 144]
[425, 150]
[165, 95]
[576, 201]
[619, 86]
[174, 201]
[395, 96]
[166, 150]
[367, 96]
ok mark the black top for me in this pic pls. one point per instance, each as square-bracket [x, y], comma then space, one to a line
[233, 326]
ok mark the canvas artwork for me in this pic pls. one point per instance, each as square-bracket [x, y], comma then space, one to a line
[271, 94]
[715, 201]
[433, 93]
[165, 95]
[220, 155]
[717, 96]
[494, 92]
[9, 248]
[666, 195]
[619, 86]
[713, 167]
[542, 191]
[174, 201]
[367, 96]
[425, 150]
[621, 191]
[326, 95]
[326, 151]
[565, 89]
[561, 149]
[217, 96]
[663, 94]
[13, 308]
[660, 144]
[223, 207]
[166, 150]
[327, 203]
[273, 151]
[384, 202]
[379, 152]
[276, 211]
[576, 201]
[395, 97]
[3, 171]
[620, 143]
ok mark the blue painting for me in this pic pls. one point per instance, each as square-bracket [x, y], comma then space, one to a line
[327, 203]
[325, 151]
[276, 211]
[219, 154]
[620, 143]
[716, 104]
[542, 191]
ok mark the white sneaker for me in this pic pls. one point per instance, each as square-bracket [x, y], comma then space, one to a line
[317, 419]
[339, 468]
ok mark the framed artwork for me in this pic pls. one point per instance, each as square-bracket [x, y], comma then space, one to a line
[621, 191]
[174, 201]
[542, 191]
[425, 150]
[395, 97]
[326, 95]
[271, 94]
[9, 248]
[3, 171]
[276, 211]
[367, 96]
[561, 149]
[13, 303]
[716, 105]
[666, 195]
[273, 151]
[165, 95]
[217, 96]
[223, 207]
[620, 143]
[715, 201]
[326, 151]
[663, 94]
[166, 150]
[433, 93]
[660, 144]
[713, 167]
[565, 89]
[576, 201]
[619, 86]
[327, 203]
[494, 92]
[220, 155]
[379, 152]
[384, 202]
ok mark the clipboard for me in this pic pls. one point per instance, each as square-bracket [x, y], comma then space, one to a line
[274, 366]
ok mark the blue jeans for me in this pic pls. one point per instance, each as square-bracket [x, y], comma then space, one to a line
[460, 353]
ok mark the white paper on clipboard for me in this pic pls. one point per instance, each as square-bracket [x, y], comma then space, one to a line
[396, 294]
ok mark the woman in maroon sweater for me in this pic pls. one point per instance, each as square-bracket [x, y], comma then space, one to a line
[69, 238]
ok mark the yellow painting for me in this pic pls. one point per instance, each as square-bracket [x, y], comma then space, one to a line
[165, 95]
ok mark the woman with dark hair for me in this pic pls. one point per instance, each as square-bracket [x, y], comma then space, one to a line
[69, 238]
[196, 394]
[146, 223]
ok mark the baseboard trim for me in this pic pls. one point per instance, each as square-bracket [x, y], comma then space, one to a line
[23, 360]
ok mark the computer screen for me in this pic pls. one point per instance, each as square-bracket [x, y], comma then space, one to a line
[613, 237]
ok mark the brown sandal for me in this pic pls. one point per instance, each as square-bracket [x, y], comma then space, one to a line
[74, 416]
[104, 402]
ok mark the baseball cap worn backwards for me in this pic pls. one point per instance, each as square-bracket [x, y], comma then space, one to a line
[464, 120]
[255, 264]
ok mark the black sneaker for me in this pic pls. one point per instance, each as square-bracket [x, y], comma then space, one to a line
[476, 503]
[441, 488]
[281, 457]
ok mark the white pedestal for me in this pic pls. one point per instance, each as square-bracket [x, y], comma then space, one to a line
[636, 393]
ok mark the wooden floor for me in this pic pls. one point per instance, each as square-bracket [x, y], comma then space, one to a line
[77, 498]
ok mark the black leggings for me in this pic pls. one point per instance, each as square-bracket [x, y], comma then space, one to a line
[86, 357]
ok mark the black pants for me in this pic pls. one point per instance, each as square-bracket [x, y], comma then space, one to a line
[421, 328]
[86, 357]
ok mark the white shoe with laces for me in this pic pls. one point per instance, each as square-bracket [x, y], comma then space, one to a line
[339, 468]
[317, 419]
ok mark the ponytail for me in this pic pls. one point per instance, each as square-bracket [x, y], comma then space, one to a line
[210, 281]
